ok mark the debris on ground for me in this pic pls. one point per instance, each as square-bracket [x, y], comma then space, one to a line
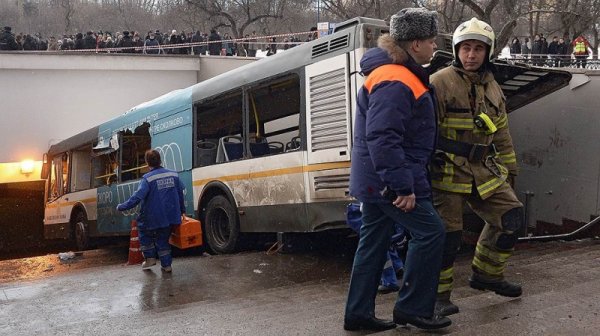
[66, 255]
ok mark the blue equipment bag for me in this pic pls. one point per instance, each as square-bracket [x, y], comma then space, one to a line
[399, 240]
[353, 216]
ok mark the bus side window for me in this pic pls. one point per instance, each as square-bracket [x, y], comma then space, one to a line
[54, 179]
[135, 144]
[219, 124]
[274, 119]
[104, 169]
[65, 174]
[81, 169]
[59, 176]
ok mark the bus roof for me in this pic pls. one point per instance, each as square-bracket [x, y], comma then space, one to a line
[75, 141]
[358, 20]
[280, 63]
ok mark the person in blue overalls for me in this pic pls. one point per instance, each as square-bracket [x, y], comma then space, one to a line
[161, 194]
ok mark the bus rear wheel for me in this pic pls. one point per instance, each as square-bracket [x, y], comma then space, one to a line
[221, 225]
[81, 233]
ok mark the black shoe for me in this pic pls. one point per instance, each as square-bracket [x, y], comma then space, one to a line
[445, 307]
[434, 322]
[503, 287]
[372, 323]
[382, 289]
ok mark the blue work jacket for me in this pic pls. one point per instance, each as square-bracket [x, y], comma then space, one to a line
[161, 195]
[394, 129]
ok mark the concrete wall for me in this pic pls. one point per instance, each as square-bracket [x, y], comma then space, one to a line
[47, 97]
[557, 142]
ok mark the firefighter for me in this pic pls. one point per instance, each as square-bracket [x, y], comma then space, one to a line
[475, 163]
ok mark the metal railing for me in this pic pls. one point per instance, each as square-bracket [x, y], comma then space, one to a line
[554, 61]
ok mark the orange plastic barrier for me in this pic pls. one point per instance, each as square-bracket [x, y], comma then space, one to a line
[188, 234]
[135, 253]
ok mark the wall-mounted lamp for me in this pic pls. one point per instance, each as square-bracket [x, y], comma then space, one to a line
[27, 167]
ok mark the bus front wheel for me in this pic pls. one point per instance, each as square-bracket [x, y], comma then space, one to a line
[81, 234]
[221, 225]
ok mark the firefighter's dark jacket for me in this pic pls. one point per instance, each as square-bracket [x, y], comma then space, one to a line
[395, 128]
[461, 95]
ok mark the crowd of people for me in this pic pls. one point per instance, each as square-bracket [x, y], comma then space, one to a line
[154, 42]
[556, 53]
[559, 52]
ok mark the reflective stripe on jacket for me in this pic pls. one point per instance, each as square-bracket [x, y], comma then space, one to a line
[456, 111]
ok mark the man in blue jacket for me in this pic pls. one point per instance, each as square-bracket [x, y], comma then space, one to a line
[394, 137]
[161, 194]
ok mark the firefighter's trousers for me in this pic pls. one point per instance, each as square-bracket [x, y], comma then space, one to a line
[503, 216]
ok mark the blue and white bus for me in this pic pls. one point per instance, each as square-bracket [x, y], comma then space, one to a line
[262, 148]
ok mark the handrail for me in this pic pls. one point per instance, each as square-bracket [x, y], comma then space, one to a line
[124, 171]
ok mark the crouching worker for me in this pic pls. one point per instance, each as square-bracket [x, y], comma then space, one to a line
[394, 137]
[162, 205]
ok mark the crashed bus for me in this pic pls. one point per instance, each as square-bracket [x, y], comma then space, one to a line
[264, 148]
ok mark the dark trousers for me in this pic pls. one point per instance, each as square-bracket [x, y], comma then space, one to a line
[155, 244]
[423, 261]
[581, 61]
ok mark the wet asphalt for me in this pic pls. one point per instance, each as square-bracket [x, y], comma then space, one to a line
[255, 293]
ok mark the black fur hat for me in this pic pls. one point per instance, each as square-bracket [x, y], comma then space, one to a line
[413, 24]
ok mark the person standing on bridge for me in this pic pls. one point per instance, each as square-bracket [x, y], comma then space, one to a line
[7, 40]
[394, 137]
[162, 204]
[475, 163]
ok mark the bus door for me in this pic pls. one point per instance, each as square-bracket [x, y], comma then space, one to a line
[105, 171]
[55, 217]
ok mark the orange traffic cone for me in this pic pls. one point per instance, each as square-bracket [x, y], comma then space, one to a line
[135, 252]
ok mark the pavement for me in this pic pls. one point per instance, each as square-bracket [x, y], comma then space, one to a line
[255, 293]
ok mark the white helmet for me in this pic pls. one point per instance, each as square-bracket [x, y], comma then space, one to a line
[474, 29]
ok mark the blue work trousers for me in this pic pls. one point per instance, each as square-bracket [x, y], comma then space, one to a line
[423, 260]
[155, 244]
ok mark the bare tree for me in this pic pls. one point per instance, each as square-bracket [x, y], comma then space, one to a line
[340, 10]
[69, 11]
[504, 15]
[239, 14]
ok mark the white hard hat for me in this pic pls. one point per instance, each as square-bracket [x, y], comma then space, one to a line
[474, 29]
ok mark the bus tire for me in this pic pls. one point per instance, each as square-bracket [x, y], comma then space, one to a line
[81, 232]
[221, 225]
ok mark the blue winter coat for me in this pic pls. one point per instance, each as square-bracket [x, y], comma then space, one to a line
[394, 129]
[161, 194]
